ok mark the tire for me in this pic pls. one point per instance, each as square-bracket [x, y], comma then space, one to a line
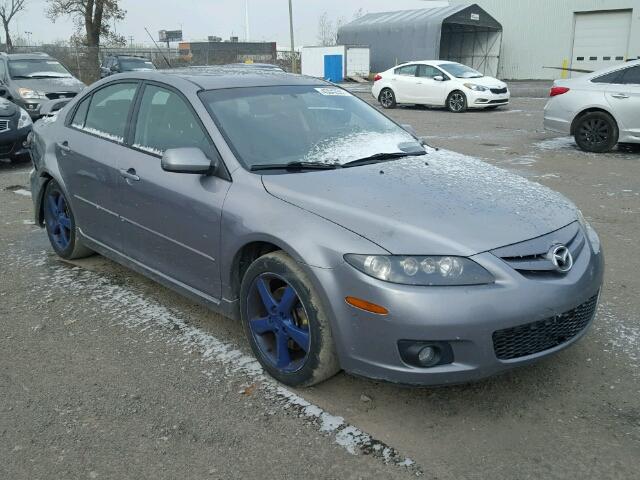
[295, 321]
[61, 225]
[457, 102]
[387, 98]
[596, 132]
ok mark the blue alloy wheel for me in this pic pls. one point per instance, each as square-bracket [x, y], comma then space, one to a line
[278, 322]
[58, 219]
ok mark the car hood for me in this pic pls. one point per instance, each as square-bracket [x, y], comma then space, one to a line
[484, 81]
[442, 203]
[7, 108]
[50, 85]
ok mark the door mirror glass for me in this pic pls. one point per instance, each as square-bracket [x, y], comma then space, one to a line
[439, 78]
[188, 160]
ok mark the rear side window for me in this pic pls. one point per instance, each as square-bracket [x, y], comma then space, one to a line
[109, 109]
[81, 113]
[165, 121]
[407, 71]
[631, 76]
[613, 77]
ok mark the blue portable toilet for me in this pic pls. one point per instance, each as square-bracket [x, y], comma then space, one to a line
[333, 68]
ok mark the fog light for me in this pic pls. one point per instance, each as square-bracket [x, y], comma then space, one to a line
[428, 356]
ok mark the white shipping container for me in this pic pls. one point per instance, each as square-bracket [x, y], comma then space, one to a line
[358, 61]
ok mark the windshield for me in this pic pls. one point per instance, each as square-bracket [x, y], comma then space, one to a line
[133, 63]
[460, 71]
[37, 68]
[319, 124]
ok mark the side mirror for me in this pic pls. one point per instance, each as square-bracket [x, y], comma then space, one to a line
[3, 92]
[439, 78]
[188, 160]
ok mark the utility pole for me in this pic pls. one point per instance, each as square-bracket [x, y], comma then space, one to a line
[293, 47]
[246, 20]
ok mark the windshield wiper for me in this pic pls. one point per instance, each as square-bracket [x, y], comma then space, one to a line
[381, 157]
[296, 166]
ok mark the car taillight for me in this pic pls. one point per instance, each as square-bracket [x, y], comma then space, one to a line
[555, 91]
[377, 77]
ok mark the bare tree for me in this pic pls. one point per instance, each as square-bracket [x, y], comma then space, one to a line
[92, 19]
[326, 31]
[8, 9]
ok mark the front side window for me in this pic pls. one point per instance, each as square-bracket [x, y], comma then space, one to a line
[302, 123]
[407, 71]
[165, 121]
[109, 109]
[37, 68]
[427, 71]
[460, 71]
[631, 76]
[80, 116]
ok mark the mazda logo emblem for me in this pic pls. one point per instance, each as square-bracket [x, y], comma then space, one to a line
[561, 258]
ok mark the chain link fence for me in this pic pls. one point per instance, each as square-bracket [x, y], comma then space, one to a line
[84, 62]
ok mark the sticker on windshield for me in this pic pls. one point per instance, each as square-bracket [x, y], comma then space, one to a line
[51, 63]
[333, 92]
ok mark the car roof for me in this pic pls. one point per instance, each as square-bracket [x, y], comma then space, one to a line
[425, 62]
[213, 78]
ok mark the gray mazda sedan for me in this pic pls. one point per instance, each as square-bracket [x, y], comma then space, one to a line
[336, 237]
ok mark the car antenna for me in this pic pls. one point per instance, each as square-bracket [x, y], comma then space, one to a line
[159, 50]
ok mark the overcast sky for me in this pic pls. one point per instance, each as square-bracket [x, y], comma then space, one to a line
[269, 19]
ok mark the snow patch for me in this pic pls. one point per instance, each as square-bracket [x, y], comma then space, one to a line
[23, 192]
[100, 133]
[558, 143]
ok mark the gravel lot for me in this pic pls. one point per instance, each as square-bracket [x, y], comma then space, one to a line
[104, 374]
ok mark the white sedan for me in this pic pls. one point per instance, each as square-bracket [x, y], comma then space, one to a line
[439, 83]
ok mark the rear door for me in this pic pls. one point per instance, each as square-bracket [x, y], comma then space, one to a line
[431, 92]
[88, 151]
[405, 84]
[624, 98]
[171, 221]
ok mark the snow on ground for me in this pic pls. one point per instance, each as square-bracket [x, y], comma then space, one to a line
[137, 312]
[23, 192]
[558, 143]
[622, 337]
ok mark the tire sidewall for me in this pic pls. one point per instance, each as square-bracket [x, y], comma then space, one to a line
[66, 253]
[464, 107]
[613, 137]
[283, 266]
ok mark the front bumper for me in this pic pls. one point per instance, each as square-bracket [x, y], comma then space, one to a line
[464, 317]
[12, 142]
[486, 99]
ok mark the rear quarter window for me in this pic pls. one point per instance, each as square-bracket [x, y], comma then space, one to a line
[613, 77]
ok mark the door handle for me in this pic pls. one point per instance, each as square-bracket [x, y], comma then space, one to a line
[129, 174]
[620, 95]
[64, 146]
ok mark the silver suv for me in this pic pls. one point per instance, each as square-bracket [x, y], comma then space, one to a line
[600, 109]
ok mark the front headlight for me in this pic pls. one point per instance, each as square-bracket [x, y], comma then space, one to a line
[476, 88]
[27, 93]
[421, 270]
[592, 235]
[25, 119]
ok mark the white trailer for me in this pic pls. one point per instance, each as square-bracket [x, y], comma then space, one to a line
[335, 63]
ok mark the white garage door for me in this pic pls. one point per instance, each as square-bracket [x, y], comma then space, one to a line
[601, 39]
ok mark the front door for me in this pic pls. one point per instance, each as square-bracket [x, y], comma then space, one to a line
[87, 153]
[624, 98]
[171, 221]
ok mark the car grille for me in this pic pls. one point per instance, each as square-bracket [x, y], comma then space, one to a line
[499, 91]
[57, 95]
[539, 336]
[530, 258]
[4, 126]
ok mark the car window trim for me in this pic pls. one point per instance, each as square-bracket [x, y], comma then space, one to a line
[69, 118]
[222, 173]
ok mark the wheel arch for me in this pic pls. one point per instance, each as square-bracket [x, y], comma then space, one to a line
[43, 180]
[244, 257]
[586, 111]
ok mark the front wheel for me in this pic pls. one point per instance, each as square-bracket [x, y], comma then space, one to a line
[61, 224]
[457, 102]
[596, 132]
[285, 322]
[387, 98]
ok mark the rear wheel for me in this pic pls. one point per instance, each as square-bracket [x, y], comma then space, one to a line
[61, 225]
[596, 132]
[457, 102]
[285, 322]
[387, 98]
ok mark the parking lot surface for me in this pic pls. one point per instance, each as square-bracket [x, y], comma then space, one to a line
[104, 374]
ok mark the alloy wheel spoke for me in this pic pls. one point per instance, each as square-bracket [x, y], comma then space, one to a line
[299, 336]
[64, 221]
[283, 359]
[261, 325]
[265, 294]
[287, 301]
[53, 206]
